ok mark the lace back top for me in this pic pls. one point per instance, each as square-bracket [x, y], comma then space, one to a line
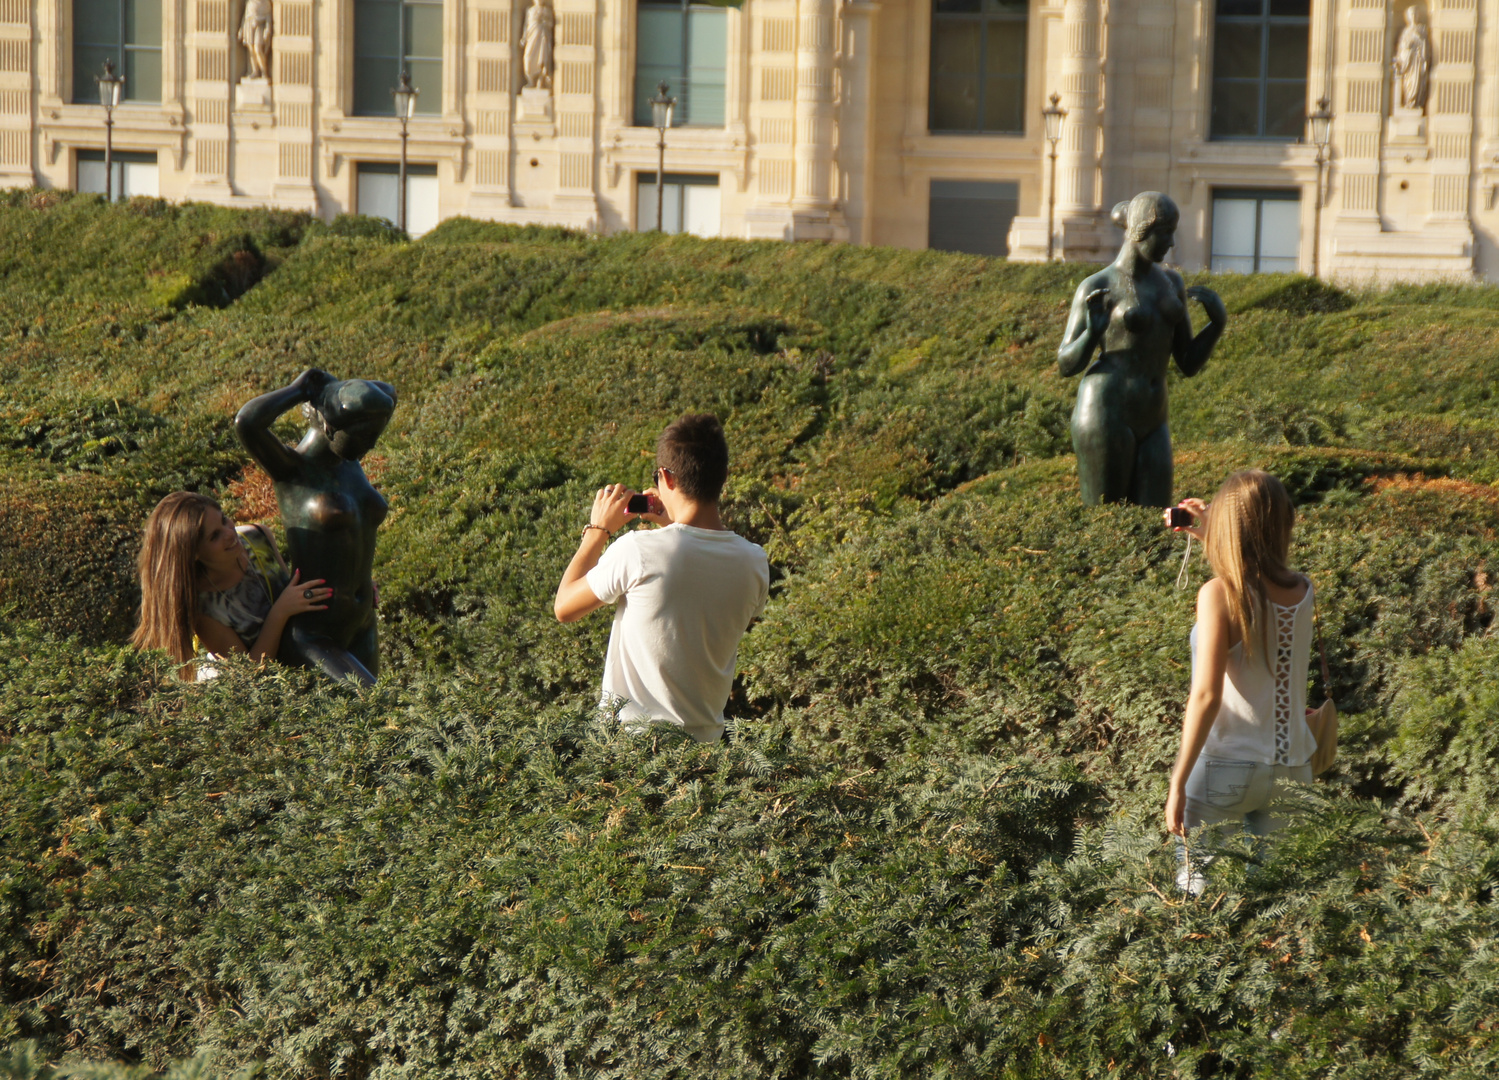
[1263, 714]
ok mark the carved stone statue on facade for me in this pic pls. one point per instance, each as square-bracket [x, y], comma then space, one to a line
[1134, 315]
[536, 45]
[1412, 61]
[330, 510]
[255, 35]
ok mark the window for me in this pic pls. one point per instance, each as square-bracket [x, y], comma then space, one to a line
[688, 204]
[391, 36]
[972, 215]
[978, 66]
[135, 173]
[125, 31]
[1259, 69]
[683, 45]
[379, 194]
[1256, 232]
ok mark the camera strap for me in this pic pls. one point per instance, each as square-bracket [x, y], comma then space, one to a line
[1181, 575]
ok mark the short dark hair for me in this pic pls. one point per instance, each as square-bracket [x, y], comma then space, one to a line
[696, 454]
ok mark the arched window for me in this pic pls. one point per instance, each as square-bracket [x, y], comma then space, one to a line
[978, 66]
[391, 36]
[1259, 69]
[684, 45]
[125, 31]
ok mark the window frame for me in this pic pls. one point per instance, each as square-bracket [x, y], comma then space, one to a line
[1260, 196]
[122, 49]
[1262, 81]
[683, 96]
[429, 102]
[981, 19]
[679, 180]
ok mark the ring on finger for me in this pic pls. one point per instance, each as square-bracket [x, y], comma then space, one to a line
[306, 594]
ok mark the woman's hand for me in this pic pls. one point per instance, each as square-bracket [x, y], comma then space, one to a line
[609, 507]
[1199, 511]
[1212, 304]
[301, 596]
[1176, 805]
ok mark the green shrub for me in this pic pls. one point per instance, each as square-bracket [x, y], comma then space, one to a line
[932, 847]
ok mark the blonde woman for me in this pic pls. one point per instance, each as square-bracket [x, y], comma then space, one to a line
[206, 583]
[1244, 735]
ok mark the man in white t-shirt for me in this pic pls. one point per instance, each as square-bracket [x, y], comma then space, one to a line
[684, 594]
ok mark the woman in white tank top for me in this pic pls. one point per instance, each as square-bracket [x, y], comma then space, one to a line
[1244, 735]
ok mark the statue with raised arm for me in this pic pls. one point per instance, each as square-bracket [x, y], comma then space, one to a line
[1133, 314]
[330, 511]
[1412, 60]
[255, 35]
[536, 45]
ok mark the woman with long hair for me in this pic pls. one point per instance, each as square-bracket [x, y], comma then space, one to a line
[1244, 735]
[206, 582]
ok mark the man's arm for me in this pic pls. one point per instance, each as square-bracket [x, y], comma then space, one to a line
[575, 597]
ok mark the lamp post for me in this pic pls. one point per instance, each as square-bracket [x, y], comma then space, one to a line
[661, 110]
[1053, 114]
[1321, 124]
[405, 97]
[110, 86]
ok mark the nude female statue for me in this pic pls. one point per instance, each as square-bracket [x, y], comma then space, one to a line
[1135, 314]
[330, 512]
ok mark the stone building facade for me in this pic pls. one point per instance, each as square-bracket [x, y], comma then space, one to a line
[905, 122]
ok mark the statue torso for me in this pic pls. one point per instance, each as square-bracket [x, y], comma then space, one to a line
[331, 514]
[1128, 378]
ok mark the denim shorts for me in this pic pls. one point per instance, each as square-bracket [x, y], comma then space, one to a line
[1233, 794]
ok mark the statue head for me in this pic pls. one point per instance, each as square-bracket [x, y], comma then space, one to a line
[1415, 15]
[351, 414]
[1148, 220]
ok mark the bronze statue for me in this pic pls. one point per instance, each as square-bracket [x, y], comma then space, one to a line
[1135, 314]
[330, 512]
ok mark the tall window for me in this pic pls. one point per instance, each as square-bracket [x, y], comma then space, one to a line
[134, 173]
[378, 194]
[689, 204]
[684, 45]
[978, 66]
[391, 36]
[972, 215]
[125, 31]
[1259, 69]
[1256, 232]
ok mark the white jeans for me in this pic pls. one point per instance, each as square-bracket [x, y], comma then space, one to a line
[1233, 795]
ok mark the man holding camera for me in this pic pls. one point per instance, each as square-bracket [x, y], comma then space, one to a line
[684, 594]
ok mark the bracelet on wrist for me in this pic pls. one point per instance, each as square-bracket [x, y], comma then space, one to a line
[600, 528]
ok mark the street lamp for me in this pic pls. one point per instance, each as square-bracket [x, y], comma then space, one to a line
[405, 96]
[1321, 124]
[661, 110]
[1053, 114]
[110, 86]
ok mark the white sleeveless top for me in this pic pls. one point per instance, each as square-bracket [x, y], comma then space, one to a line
[1263, 715]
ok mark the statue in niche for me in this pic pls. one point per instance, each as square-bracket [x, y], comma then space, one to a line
[1412, 60]
[255, 35]
[536, 45]
[1134, 314]
[330, 510]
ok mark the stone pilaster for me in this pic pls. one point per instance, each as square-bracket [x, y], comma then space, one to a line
[209, 47]
[1078, 215]
[815, 211]
[16, 143]
[493, 80]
